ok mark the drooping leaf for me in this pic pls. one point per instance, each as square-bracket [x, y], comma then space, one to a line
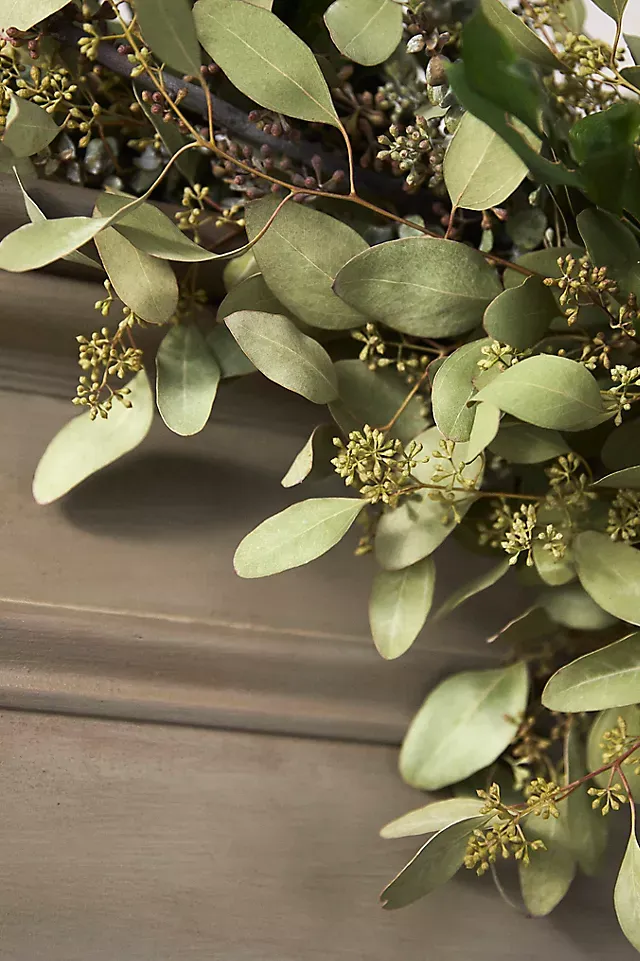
[472, 587]
[548, 391]
[367, 31]
[526, 444]
[313, 460]
[486, 424]
[398, 607]
[422, 286]
[546, 879]
[480, 169]
[230, 359]
[85, 446]
[264, 59]
[152, 232]
[613, 8]
[610, 572]
[626, 895]
[628, 478]
[465, 723]
[587, 828]
[300, 255]
[250, 294]
[453, 390]
[29, 128]
[17, 13]
[521, 315]
[572, 607]
[609, 677]
[432, 817]
[168, 29]
[522, 40]
[284, 354]
[596, 745]
[38, 244]
[296, 535]
[373, 397]
[620, 449]
[187, 378]
[435, 863]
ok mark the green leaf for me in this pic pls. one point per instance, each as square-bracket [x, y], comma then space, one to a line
[546, 879]
[17, 13]
[264, 59]
[523, 41]
[435, 863]
[300, 255]
[633, 44]
[609, 677]
[250, 294]
[453, 390]
[632, 74]
[473, 587]
[284, 354]
[187, 378]
[36, 216]
[610, 573]
[38, 244]
[620, 449]
[588, 830]
[29, 128]
[603, 143]
[432, 817]
[628, 478]
[465, 723]
[231, 360]
[610, 244]
[544, 262]
[373, 397]
[168, 30]
[521, 315]
[422, 286]
[485, 427]
[572, 607]
[366, 31]
[554, 571]
[613, 8]
[626, 895]
[296, 535]
[606, 721]
[239, 269]
[85, 446]
[398, 607]
[413, 530]
[145, 284]
[313, 460]
[548, 391]
[526, 444]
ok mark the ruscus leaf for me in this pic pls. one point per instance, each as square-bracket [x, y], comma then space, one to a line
[367, 31]
[609, 677]
[398, 607]
[187, 378]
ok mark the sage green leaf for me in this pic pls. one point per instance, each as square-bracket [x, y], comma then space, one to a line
[145, 284]
[588, 830]
[239, 269]
[485, 427]
[36, 216]
[284, 354]
[264, 59]
[413, 530]
[526, 444]
[168, 29]
[521, 315]
[432, 817]
[613, 8]
[626, 895]
[29, 128]
[523, 41]
[628, 478]
[572, 607]
[554, 571]
[85, 446]
[300, 255]
[373, 397]
[435, 863]
[609, 677]
[480, 169]
[250, 294]
[620, 449]
[453, 390]
[38, 244]
[24, 15]
[313, 461]
[606, 721]
[610, 572]
[422, 286]
[473, 587]
[231, 360]
[609, 244]
[296, 535]
[398, 607]
[366, 31]
[465, 723]
[546, 879]
[548, 391]
[187, 378]
[544, 262]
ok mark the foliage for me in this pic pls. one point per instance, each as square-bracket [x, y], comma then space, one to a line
[441, 200]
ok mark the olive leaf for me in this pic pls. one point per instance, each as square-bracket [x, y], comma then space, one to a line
[432, 817]
[609, 677]
[284, 354]
[607, 721]
[366, 31]
[610, 572]
[628, 478]
[169, 31]
[373, 397]
[453, 390]
[613, 8]
[545, 880]
[398, 607]
[522, 40]
[548, 391]
[300, 255]
[313, 460]
[264, 59]
[422, 286]
[230, 359]
[521, 315]
[250, 294]
[85, 446]
[473, 587]
[29, 128]
[296, 535]
[436, 862]
[465, 723]
[480, 169]
[486, 424]
[572, 607]
[23, 16]
[626, 895]
[588, 830]
[187, 378]
[527, 444]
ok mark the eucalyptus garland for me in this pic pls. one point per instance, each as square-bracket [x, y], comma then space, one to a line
[437, 206]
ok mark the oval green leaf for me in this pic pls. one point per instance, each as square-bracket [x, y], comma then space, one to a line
[602, 679]
[453, 390]
[486, 424]
[480, 169]
[522, 40]
[546, 879]
[29, 128]
[145, 284]
[230, 359]
[520, 316]
[313, 460]
[168, 29]
[366, 31]
[621, 447]
[572, 607]
[432, 817]
[398, 607]
[626, 895]
[610, 573]
[250, 294]
[187, 378]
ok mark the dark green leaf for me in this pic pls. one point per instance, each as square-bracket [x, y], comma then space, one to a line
[548, 876]
[608, 677]
[453, 389]
[373, 397]
[588, 829]
[521, 315]
[145, 284]
[432, 817]
[526, 444]
[168, 30]
[628, 478]
[171, 137]
[367, 31]
[313, 461]
[473, 587]
[485, 427]
[610, 572]
[572, 607]
[231, 360]
[187, 378]
[398, 607]
[544, 262]
[296, 535]
[29, 128]
[523, 41]
[531, 625]
[632, 74]
[626, 896]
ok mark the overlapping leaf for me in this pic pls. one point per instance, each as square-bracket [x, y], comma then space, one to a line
[609, 677]
[453, 390]
[29, 128]
[367, 31]
[480, 169]
[521, 315]
[398, 607]
[187, 378]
